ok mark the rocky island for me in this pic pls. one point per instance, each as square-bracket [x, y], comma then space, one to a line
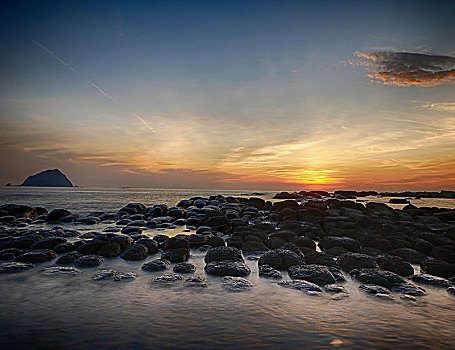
[48, 178]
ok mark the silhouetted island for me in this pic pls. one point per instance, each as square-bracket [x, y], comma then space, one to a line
[48, 178]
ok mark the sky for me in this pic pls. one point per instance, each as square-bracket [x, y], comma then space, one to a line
[282, 95]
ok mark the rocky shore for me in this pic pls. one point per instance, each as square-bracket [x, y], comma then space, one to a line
[312, 247]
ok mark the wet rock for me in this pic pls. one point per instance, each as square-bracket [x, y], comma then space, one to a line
[317, 274]
[151, 244]
[374, 289]
[91, 247]
[61, 270]
[37, 256]
[64, 248]
[438, 268]
[156, 265]
[124, 276]
[168, 278]
[305, 286]
[184, 267]
[176, 255]
[349, 244]
[216, 242]
[382, 278]
[197, 240]
[431, 280]
[254, 246]
[351, 261]
[395, 264]
[13, 267]
[446, 254]
[89, 261]
[223, 253]
[423, 246]
[68, 258]
[123, 241]
[25, 242]
[57, 214]
[334, 288]
[281, 259]
[227, 268]
[408, 298]
[269, 271]
[408, 254]
[104, 275]
[304, 242]
[319, 258]
[196, 281]
[135, 252]
[236, 284]
[109, 250]
[451, 290]
[409, 289]
[10, 253]
[131, 230]
[174, 243]
[47, 243]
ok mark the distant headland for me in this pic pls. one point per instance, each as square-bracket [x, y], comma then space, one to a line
[48, 178]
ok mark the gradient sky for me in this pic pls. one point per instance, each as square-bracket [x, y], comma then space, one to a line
[237, 94]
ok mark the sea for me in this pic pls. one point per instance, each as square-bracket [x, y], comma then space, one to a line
[38, 311]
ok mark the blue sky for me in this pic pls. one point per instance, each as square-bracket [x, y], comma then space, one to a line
[223, 94]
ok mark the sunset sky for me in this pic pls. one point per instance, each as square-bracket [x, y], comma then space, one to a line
[230, 95]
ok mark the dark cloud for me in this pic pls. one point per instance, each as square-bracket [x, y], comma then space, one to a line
[408, 69]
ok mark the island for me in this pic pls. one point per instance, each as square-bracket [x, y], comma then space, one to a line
[48, 178]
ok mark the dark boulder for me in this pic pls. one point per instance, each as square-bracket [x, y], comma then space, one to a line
[351, 261]
[47, 243]
[431, 280]
[176, 255]
[109, 250]
[64, 248]
[408, 254]
[151, 244]
[135, 252]
[319, 258]
[379, 277]
[57, 214]
[395, 264]
[184, 267]
[446, 254]
[68, 258]
[223, 253]
[13, 267]
[216, 242]
[318, 274]
[156, 265]
[438, 268]
[37, 256]
[409, 289]
[227, 268]
[281, 259]
[89, 261]
[269, 271]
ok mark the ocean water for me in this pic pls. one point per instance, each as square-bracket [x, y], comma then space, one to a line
[74, 312]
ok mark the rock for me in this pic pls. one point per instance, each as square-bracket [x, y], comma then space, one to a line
[25, 242]
[109, 250]
[47, 243]
[254, 246]
[68, 258]
[291, 204]
[408, 254]
[319, 258]
[131, 230]
[89, 261]
[123, 241]
[408, 288]
[37, 256]
[61, 270]
[351, 261]
[269, 271]
[104, 275]
[174, 243]
[13, 267]
[431, 280]
[135, 252]
[236, 284]
[91, 247]
[10, 253]
[57, 214]
[196, 281]
[151, 244]
[48, 178]
[304, 286]
[64, 248]
[386, 279]
[168, 278]
[184, 267]
[438, 268]
[176, 255]
[227, 268]
[423, 246]
[304, 242]
[281, 259]
[410, 298]
[332, 241]
[446, 254]
[223, 253]
[451, 290]
[374, 289]
[124, 276]
[216, 242]
[156, 265]
[334, 288]
[317, 274]
[395, 264]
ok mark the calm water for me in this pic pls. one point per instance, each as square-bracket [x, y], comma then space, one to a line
[39, 311]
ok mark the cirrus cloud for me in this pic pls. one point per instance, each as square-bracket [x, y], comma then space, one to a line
[407, 68]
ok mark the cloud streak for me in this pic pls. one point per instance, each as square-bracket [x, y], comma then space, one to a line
[407, 68]
[145, 123]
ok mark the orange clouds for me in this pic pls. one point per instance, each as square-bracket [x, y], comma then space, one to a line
[408, 69]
